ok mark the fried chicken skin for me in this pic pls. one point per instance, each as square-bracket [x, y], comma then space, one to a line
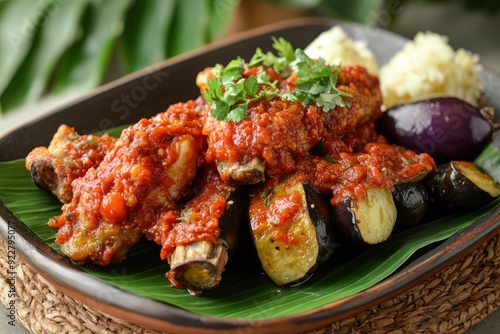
[135, 189]
[68, 157]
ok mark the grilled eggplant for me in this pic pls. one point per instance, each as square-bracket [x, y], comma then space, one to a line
[368, 220]
[411, 200]
[206, 236]
[460, 184]
[291, 228]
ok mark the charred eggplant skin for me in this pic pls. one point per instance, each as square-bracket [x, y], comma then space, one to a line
[461, 185]
[412, 201]
[368, 220]
[291, 229]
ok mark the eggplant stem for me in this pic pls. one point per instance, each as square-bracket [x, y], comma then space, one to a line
[488, 114]
[197, 266]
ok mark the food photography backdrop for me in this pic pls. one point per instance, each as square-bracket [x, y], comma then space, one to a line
[53, 51]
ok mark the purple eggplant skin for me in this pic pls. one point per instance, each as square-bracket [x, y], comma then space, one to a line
[411, 200]
[447, 128]
[366, 221]
[461, 185]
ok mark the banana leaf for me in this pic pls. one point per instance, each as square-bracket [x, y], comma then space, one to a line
[189, 27]
[17, 38]
[244, 292]
[144, 41]
[85, 62]
[57, 31]
[220, 13]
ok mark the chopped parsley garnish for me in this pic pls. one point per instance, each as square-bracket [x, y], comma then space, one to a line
[229, 92]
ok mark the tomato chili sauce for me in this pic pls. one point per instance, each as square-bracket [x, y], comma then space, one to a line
[138, 188]
[67, 158]
[281, 212]
[199, 218]
[338, 150]
[135, 190]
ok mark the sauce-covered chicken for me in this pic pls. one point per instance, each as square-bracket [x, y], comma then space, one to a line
[135, 189]
[183, 177]
[67, 158]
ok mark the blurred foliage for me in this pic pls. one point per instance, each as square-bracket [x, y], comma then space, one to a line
[487, 6]
[66, 46]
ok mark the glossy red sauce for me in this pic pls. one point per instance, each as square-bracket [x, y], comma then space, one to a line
[338, 151]
[278, 131]
[131, 186]
[275, 211]
[349, 174]
[84, 152]
[199, 220]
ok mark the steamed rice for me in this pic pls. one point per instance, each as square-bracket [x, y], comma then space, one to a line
[429, 66]
[335, 47]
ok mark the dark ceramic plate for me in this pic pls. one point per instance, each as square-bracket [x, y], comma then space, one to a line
[148, 92]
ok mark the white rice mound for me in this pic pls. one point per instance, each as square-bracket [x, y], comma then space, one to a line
[428, 66]
[335, 47]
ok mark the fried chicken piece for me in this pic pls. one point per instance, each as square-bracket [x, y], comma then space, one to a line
[277, 131]
[135, 189]
[68, 157]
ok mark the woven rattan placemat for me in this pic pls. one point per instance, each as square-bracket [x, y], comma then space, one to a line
[449, 302]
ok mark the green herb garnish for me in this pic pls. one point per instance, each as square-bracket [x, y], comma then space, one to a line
[229, 93]
[281, 62]
[331, 159]
[91, 142]
[265, 194]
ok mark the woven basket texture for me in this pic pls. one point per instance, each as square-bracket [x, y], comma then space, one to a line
[451, 301]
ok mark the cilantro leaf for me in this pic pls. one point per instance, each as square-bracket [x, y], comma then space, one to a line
[220, 110]
[233, 70]
[233, 91]
[229, 93]
[237, 113]
[251, 86]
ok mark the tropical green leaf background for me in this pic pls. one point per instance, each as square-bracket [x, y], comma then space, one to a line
[65, 48]
[244, 292]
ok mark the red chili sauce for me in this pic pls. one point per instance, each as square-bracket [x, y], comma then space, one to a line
[338, 150]
[200, 218]
[276, 209]
[138, 183]
[278, 131]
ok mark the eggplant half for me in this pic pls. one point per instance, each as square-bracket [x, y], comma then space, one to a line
[368, 220]
[447, 128]
[460, 184]
[411, 200]
[291, 229]
[197, 265]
